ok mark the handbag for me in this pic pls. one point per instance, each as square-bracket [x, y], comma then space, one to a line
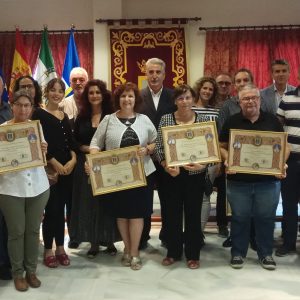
[208, 188]
[52, 174]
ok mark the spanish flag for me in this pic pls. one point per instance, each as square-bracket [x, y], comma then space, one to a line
[20, 63]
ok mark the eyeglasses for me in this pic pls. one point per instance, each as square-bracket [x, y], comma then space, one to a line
[20, 105]
[247, 99]
[227, 83]
[26, 86]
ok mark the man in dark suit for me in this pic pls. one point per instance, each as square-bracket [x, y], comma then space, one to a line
[272, 95]
[157, 101]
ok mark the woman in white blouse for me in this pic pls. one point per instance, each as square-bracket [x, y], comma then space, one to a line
[125, 128]
[23, 197]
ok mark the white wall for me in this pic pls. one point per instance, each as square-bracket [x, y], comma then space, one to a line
[60, 14]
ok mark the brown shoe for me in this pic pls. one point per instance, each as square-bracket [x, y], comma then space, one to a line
[20, 284]
[32, 280]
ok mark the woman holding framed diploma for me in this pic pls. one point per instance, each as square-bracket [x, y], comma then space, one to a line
[125, 128]
[184, 188]
[61, 155]
[23, 197]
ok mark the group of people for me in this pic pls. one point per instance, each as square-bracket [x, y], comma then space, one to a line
[93, 119]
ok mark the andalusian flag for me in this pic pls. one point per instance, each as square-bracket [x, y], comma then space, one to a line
[44, 70]
[20, 63]
[71, 61]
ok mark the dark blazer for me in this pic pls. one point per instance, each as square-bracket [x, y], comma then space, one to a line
[268, 98]
[165, 105]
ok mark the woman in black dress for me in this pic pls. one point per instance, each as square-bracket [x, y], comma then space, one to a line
[61, 155]
[89, 222]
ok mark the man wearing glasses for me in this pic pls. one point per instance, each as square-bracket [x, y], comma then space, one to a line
[224, 84]
[251, 195]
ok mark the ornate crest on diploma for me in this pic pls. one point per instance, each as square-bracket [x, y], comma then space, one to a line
[20, 146]
[131, 48]
[260, 152]
[116, 170]
[194, 143]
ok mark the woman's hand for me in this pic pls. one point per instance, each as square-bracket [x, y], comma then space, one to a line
[58, 167]
[142, 151]
[44, 147]
[194, 167]
[173, 171]
[69, 166]
[87, 168]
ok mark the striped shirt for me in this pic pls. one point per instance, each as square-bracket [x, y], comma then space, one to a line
[210, 112]
[289, 110]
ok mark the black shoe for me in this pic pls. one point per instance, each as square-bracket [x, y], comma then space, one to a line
[5, 273]
[227, 243]
[73, 244]
[223, 231]
[268, 263]
[237, 262]
[284, 251]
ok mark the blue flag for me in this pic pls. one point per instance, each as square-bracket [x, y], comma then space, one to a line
[71, 61]
[5, 93]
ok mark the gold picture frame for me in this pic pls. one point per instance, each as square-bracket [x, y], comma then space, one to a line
[257, 152]
[116, 170]
[20, 146]
[192, 143]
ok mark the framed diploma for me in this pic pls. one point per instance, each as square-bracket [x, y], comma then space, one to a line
[193, 143]
[257, 152]
[20, 146]
[116, 170]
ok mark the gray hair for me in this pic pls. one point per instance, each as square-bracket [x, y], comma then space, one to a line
[249, 87]
[156, 61]
[79, 70]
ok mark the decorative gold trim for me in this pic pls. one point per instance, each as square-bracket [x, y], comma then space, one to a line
[121, 40]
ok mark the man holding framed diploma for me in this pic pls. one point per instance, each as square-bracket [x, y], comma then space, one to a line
[254, 149]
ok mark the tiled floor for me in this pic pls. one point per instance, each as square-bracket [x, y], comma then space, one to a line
[105, 278]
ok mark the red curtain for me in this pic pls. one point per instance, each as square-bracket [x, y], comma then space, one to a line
[228, 51]
[58, 42]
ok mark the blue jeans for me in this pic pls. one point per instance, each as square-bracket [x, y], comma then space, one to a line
[257, 200]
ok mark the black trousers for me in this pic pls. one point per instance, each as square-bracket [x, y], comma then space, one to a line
[184, 197]
[290, 192]
[156, 182]
[54, 219]
[220, 183]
